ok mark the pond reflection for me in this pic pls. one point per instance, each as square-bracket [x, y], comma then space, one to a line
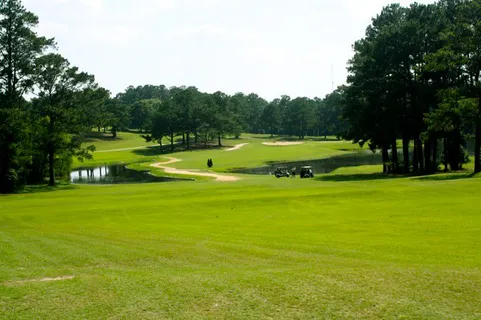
[114, 174]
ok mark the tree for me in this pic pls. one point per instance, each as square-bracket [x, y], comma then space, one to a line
[95, 113]
[59, 86]
[390, 87]
[272, 118]
[299, 117]
[141, 112]
[163, 123]
[329, 112]
[465, 43]
[19, 47]
[186, 101]
[116, 116]
[224, 118]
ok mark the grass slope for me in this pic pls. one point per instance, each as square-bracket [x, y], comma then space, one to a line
[349, 245]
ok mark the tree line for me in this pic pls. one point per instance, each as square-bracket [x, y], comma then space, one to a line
[163, 112]
[415, 77]
[49, 107]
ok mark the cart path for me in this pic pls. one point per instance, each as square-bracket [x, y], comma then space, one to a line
[237, 147]
[218, 177]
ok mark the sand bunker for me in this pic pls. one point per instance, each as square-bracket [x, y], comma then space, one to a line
[218, 177]
[282, 143]
[237, 147]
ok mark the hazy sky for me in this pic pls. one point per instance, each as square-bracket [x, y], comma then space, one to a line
[270, 47]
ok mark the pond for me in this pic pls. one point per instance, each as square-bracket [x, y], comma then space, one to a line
[320, 166]
[114, 174]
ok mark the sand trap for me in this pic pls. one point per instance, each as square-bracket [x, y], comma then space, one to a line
[237, 147]
[218, 177]
[282, 143]
[63, 278]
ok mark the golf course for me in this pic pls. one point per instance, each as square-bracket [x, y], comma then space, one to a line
[350, 244]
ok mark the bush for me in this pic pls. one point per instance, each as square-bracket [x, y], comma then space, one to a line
[210, 164]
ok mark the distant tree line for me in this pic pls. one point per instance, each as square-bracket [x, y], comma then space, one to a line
[163, 112]
[415, 77]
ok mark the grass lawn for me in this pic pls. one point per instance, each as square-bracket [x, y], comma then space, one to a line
[105, 142]
[349, 245]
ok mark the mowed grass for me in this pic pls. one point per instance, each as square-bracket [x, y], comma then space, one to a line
[350, 245]
[253, 154]
[105, 141]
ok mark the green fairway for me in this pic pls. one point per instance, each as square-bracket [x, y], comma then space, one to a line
[254, 153]
[124, 140]
[349, 245]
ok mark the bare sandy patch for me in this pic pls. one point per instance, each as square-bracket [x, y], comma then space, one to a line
[237, 147]
[282, 143]
[62, 278]
[192, 172]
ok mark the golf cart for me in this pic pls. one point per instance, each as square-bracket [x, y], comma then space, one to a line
[307, 172]
[281, 172]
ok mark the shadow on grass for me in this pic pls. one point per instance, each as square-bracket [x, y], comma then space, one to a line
[383, 176]
[149, 151]
[42, 188]
[95, 136]
[358, 177]
[447, 176]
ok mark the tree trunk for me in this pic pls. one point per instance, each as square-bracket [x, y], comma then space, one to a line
[114, 132]
[406, 154]
[427, 156]
[477, 142]
[98, 129]
[172, 148]
[385, 159]
[415, 157]
[160, 145]
[420, 155]
[395, 160]
[183, 138]
[454, 153]
[188, 140]
[219, 140]
[196, 138]
[6, 183]
[446, 158]
[51, 167]
[434, 167]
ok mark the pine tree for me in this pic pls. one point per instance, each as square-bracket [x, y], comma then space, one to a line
[19, 47]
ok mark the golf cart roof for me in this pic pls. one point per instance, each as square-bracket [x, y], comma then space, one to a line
[306, 167]
[281, 167]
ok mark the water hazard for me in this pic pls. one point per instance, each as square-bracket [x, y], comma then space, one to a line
[114, 174]
[320, 166]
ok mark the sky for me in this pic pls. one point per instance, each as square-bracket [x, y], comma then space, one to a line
[268, 47]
